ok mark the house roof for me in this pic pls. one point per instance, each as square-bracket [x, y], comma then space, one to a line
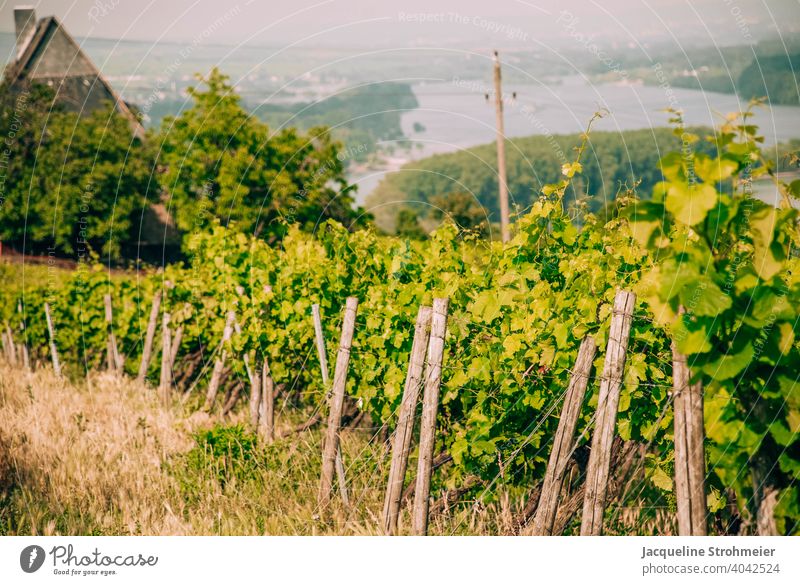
[33, 45]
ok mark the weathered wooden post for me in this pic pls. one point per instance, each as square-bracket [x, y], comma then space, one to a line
[341, 478]
[148, 338]
[323, 366]
[174, 346]
[255, 400]
[690, 464]
[267, 407]
[430, 409]
[262, 397]
[115, 363]
[51, 333]
[320, 339]
[246, 358]
[562, 442]
[23, 347]
[607, 405]
[405, 422]
[165, 384]
[331, 445]
[8, 340]
[6, 350]
[219, 364]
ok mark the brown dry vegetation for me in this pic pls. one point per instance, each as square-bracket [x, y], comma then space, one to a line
[103, 457]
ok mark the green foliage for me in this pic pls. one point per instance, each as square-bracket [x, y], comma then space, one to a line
[222, 453]
[726, 259]
[613, 162]
[773, 76]
[71, 184]
[461, 209]
[222, 445]
[221, 163]
[518, 313]
[408, 225]
[361, 117]
[74, 184]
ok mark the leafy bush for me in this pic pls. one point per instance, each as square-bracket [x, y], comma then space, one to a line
[219, 162]
[73, 184]
[222, 454]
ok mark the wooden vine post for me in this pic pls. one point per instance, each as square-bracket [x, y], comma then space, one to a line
[148, 338]
[430, 408]
[174, 346]
[610, 386]
[26, 362]
[690, 466]
[323, 366]
[165, 384]
[4, 339]
[562, 442]
[405, 422]
[8, 342]
[266, 427]
[246, 358]
[113, 357]
[255, 400]
[52, 335]
[219, 364]
[331, 445]
[262, 397]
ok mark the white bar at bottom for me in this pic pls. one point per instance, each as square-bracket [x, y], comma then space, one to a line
[401, 560]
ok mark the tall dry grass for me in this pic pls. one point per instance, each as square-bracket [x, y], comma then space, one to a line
[86, 459]
[103, 457]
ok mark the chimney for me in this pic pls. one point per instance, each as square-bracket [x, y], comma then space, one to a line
[25, 23]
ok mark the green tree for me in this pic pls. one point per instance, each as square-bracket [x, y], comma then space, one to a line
[408, 225]
[218, 161]
[614, 162]
[773, 77]
[461, 208]
[69, 183]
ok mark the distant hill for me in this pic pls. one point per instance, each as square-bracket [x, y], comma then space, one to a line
[735, 69]
[777, 77]
[360, 117]
[612, 161]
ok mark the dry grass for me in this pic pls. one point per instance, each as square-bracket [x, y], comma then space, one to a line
[86, 460]
[103, 457]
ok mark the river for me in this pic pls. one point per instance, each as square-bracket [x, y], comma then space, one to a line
[454, 116]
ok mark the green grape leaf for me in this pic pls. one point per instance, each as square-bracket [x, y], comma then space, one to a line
[714, 170]
[703, 297]
[767, 258]
[690, 203]
[715, 500]
[781, 433]
[661, 479]
[690, 338]
[790, 389]
[645, 220]
[729, 365]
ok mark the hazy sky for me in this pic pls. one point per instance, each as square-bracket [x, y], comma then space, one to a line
[419, 22]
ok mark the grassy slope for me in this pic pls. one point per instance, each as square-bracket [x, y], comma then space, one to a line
[102, 457]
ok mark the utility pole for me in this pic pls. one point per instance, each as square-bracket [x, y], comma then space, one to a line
[501, 150]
